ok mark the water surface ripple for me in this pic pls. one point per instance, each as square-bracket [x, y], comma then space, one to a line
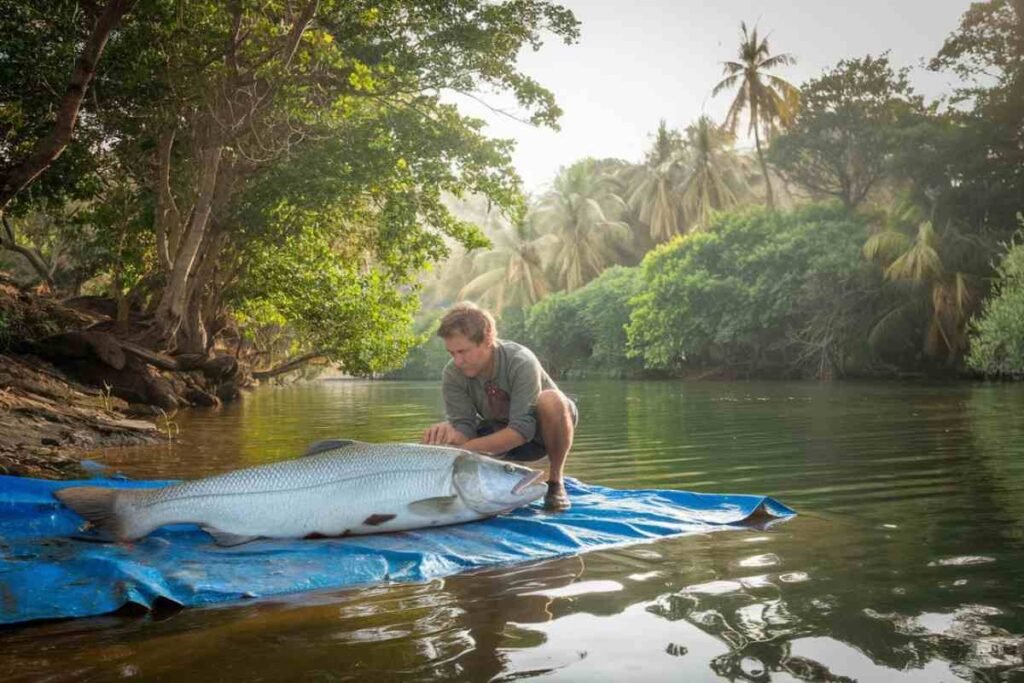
[905, 563]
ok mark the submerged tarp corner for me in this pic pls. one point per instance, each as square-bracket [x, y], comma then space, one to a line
[46, 573]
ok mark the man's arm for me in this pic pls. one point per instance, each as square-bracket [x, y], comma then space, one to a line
[443, 434]
[525, 381]
[458, 404]
[499, 442]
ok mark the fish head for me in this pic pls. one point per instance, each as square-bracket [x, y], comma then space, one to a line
[490, 486]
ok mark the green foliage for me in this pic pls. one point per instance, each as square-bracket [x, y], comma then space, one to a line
[582, 333]
[584, 211]
[429, 356]
[933, 278]
[605, 307]
[40, 43]
[511, 274]
[512, 325]
[967, 162]
[850, 120]
[667, 143]
[557, 333]
[714, 178]
[758, 293]
[331, 154]
[653, 186]
[357, 316]
[997, 334]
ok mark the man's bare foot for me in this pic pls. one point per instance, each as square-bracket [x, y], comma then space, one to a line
[556, 499]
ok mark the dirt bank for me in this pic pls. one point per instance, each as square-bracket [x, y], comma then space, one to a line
[72, 380]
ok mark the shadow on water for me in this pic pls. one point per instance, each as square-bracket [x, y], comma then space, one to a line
[904, 564]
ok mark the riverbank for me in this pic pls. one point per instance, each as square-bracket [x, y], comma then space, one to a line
[47, 420]
[71, 380]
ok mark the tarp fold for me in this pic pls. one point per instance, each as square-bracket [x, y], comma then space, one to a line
[49, 570]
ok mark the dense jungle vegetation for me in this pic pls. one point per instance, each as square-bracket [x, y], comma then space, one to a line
[866, 233]
[286, 181]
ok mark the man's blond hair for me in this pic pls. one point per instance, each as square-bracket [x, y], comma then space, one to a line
[469, 320]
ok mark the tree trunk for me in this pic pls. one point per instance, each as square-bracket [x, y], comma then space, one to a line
[769, 197]
[168, 218]
[173, 302]
[215, 181]
[17, 177]
[193, 336]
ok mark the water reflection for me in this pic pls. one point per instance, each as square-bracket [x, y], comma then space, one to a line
[904, 564]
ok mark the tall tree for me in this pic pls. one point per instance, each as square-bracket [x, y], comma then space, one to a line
[851, 121]
[583, 211]
[768, 100]
[205, 117]
[510, 274]
[970, 161]
[17, 173]
[938, 267]
[714, 172]
[654, 186]
[35, 130]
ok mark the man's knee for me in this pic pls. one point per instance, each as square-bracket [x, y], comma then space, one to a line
[553, 404]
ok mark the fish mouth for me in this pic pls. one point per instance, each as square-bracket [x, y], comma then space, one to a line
[527, 481]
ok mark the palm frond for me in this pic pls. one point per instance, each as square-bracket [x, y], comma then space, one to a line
[725, 84]
[885, 246]
[918, 264]
[892, 324]
[784, 59]
[482, 283]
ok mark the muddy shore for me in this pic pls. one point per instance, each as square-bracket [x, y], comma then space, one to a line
[71, 380]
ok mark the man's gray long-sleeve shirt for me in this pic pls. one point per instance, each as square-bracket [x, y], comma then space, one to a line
[509, 398]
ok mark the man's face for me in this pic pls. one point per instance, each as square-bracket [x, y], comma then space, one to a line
[470, 358]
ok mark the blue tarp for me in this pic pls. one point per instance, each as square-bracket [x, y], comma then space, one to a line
[46, 572]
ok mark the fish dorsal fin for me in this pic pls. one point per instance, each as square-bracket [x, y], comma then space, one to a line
[226, 538]
[429, 507]
[328, 445]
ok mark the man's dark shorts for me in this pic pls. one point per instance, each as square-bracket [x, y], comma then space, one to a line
[531, 450]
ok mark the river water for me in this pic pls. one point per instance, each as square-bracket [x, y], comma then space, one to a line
[906, 562]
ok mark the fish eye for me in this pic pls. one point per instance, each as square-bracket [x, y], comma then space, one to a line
[509, 469]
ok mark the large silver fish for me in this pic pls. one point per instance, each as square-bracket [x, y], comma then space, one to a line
[339, 488]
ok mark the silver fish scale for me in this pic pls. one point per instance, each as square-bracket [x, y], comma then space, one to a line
[361, 465]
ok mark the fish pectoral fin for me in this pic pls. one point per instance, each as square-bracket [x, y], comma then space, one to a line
[434, 506]
[226, 538]
[327, 445]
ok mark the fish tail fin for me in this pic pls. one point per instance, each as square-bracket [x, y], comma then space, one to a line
[103, 508]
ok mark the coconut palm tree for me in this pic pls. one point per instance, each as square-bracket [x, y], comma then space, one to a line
[654, 186]
[933, 264]
[714, 172]
[512, 273]
[443, 282]
[768, 101]
[583, 211]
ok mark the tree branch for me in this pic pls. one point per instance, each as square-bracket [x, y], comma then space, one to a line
[9, 241]
[17, 177]
[168, 217]
[287, 366]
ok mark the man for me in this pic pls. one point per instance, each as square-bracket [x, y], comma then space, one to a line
[499, 400]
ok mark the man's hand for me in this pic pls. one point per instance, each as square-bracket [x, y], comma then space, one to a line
[443, 434]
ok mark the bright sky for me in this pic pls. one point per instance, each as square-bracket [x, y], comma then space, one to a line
[639, 61]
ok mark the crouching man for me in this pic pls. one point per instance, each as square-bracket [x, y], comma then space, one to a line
[500, 401]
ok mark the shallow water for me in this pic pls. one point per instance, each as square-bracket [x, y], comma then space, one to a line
[905, 563]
